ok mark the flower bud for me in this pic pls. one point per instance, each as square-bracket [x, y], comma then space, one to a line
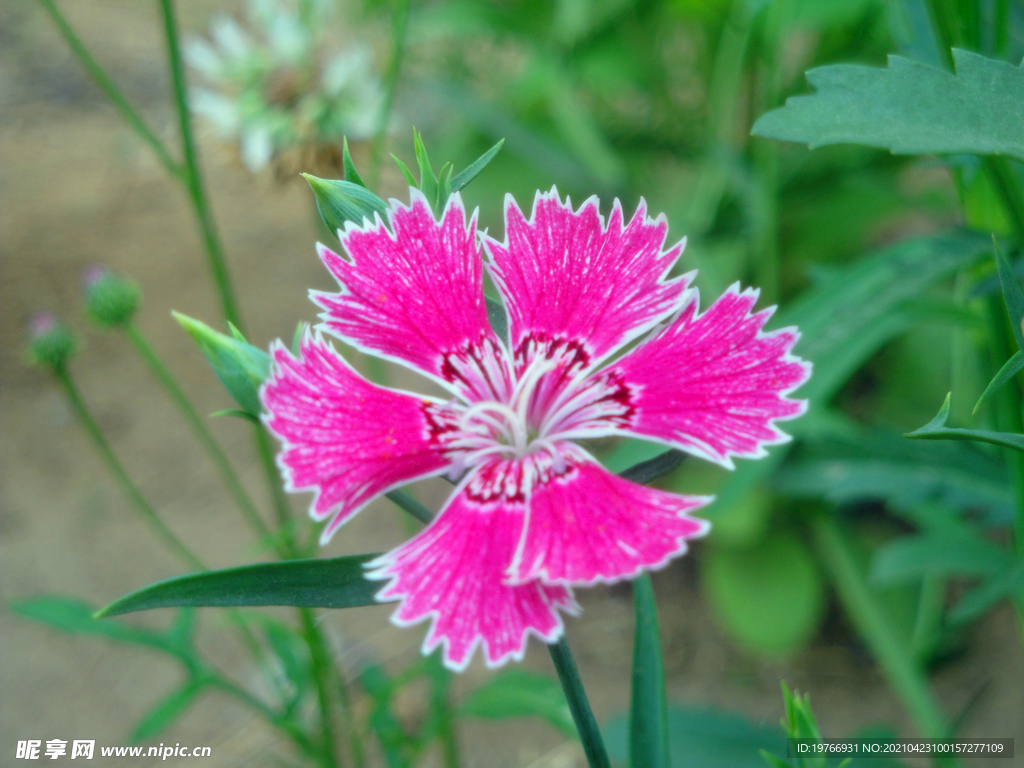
[111, 300]
[51, 342]
[341, 201]
[241, 367]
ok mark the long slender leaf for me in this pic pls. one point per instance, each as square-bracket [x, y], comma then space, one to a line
[1010, 368]
[518, 693]
[936, 429]
[648, 718]
[1007, 582]
[908, 558]
[470, 172]
[1011, 295]
[335, 583]
[166, 711]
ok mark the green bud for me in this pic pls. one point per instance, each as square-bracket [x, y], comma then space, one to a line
[111, 300]
[342, 201]
[51, 342]
[241, 367]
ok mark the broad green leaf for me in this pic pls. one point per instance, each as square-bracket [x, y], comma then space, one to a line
[1009, 581]
[339, 582]
[518, 693]
[1011, 295]
[241, 367]
[936, 429]
[769, 597]
[75, 617]
[166, 711]
[648, 716]
[846, 319]
[1010, 368]
[340, 202]
[909, 108]
[703, 738]
[351, 174]
[947, 553]
[470, 172]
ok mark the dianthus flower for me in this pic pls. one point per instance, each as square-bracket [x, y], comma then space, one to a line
[533, 514]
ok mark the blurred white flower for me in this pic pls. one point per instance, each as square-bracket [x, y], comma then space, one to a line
[281, 81]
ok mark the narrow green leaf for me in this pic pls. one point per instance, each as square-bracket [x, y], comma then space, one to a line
[648, 471]
[428, 180]
[936, 429]
[1010, 368]
[241, 367]
[951, 552]
[335, 583]
[74, 617]
[470, 172]
[1009, 581]
[340, 202]
[351, 174]
[772, 760]
[518, 693]
[444, 186]
[166, 711]
[407, 503]
[910, 108]
[1011, 294]
[300, 331]
[236, 413]
[648, 719]
[406, 172]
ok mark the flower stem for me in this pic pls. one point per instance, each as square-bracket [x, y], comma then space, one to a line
[871, 622]
[322, 674]
[648, 725]
[582, 715]
[116, 469]
[192, 176]
[202, 432]
[408, 504]
[399, 24]
[281, 509]
[111, 91]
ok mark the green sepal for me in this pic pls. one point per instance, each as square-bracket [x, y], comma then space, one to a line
[405, 172]
[351, 174]
[936, 429]
[241, 367]
[341, 201]
[470, 172]
[428, 180]
[1010, 368]
[339, 582]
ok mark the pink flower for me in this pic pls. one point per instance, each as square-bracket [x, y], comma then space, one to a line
[533, 514]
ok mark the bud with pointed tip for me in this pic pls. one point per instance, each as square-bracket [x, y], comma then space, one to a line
[342, 201]
[241, 367]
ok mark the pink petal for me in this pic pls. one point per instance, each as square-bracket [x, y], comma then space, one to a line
[344, 438]
[414, 295]
[453, 574]
[587, 525]
[713, 384]
[566, 278]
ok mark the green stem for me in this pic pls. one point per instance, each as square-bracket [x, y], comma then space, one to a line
[648, 727]
[408, 504]
[930, 605]
[281, 509]
[944, 29]
[1005, 182]
[202, 432]
[116, 469]
[322, 674]
[582, 715]
[400, 23]
[873, 625]
[192, 176]
[355, 732]
[111, 91]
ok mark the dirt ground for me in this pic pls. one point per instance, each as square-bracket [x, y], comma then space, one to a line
[79, 189]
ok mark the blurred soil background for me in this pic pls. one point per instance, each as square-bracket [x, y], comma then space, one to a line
[76, 189]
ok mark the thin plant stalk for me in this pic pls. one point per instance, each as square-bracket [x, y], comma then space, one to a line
[896, 661]
[202, 432]
[582, 715]
[322, 674]
[192, 176]
[138, 501]
[111, 91]
[399, 25]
